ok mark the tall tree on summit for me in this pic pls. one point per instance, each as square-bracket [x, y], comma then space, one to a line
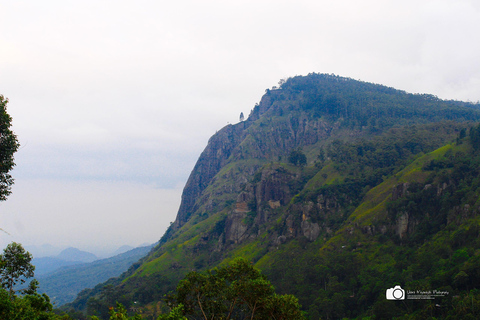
[8, 146]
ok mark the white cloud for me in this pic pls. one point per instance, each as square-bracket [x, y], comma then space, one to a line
[123, 91]
[102, 215]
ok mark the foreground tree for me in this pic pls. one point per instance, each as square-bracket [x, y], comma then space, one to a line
[15, 266]
[28, 307]
[235, 291]
[119, 313]
[8, 146]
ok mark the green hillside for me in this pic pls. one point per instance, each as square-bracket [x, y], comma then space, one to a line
[337, 190]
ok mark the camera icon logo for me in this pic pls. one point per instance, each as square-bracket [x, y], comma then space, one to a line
[395, 293]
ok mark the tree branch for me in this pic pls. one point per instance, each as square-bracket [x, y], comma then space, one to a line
[231, 309]
[201, 308]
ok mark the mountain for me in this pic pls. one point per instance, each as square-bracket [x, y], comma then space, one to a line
[48, 264]
[124, 249]
[67, 257]
[338, 190]
[74, 254]
[63, 284]
[44, 250]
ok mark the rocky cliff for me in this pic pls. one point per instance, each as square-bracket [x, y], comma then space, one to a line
[368, 150]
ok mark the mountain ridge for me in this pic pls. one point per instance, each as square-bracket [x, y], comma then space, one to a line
[64, 283]
[74, 254]
[245, 198]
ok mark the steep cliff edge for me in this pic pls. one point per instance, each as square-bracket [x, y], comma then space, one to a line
[306, 112]
[367, 150]
[213, 158]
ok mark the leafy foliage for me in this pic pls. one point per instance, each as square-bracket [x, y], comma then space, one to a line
[298, 158]
[31, 306]
[15, 266]
[119, 313]
[235, 291]
[8, 146]
[366, 104]
[438, 250]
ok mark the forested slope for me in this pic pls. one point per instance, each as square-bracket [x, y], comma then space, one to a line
[337, 190]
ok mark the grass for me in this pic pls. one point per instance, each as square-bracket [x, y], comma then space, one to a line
[177, 249]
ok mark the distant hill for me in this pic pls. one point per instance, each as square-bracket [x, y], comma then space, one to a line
[125, 248]
[337, 190]
[44, 250]
[65, 283]
[67, 257]
[48, 264]
[74, 254]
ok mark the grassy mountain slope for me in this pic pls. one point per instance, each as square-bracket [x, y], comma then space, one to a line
[380, 186]
[418, 228]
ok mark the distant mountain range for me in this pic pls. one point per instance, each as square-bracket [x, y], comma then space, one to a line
[73, 270]
[74, 254]
[44, 250]
[126, 248]
[48, 250]
[67, 257]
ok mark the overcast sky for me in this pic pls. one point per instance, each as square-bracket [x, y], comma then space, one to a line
[113, 101]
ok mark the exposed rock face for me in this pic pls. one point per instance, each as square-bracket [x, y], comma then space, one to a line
[405, 222]
[310, 218]
[402, 225]
[274, 204]
[310, 230]
[273, 186]
[400, 191]
[245, 141]
[212, 159]
[235, 229]
[272, 192]
[276, 126]
[282, 137]
[260, 198]
[241, 207]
